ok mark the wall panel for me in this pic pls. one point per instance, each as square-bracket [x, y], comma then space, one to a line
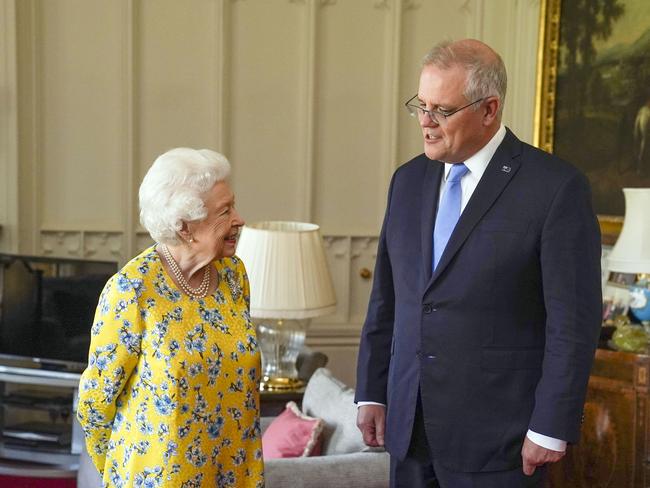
[8, 127]
[177, 92]
[350, 52]
[362, 262]
[266, 63]
[423, 25]
[342, 357]
[337, 250]
[514, 43]
[80, 109]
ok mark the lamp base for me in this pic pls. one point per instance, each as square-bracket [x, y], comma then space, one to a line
[280, 342]
[280, 384]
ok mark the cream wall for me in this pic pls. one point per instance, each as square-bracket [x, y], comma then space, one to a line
[304, 97]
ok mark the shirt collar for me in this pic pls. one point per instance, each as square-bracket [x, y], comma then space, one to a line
[478, 163]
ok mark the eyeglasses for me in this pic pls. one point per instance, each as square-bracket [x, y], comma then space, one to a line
[437, 116]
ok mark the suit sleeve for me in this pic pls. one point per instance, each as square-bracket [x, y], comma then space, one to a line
[377, 333]
[116, 337]
[570, 263]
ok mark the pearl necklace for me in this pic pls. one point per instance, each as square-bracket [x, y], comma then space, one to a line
[201, 291]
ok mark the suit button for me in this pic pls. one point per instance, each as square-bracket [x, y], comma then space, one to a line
[428, 308]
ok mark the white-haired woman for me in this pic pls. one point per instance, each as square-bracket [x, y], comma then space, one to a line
[170, 395]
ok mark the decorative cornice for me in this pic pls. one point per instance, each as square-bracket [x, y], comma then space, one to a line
[58, 242]
[337, 246]
[103, 243]
[362, 245]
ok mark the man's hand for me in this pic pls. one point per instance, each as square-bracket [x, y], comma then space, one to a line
[534, 455]
[371, 420]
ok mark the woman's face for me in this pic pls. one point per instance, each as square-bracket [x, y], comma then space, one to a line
[216, 236]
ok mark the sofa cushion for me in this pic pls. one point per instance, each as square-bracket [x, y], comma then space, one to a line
[329, 399]
[292, 434]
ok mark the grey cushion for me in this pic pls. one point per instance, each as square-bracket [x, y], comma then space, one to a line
[309, 361]
[329, 399]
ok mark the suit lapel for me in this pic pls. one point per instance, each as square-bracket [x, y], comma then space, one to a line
[430, 190]
[499, 172]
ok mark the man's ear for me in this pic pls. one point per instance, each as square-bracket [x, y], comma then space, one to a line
[491, 109]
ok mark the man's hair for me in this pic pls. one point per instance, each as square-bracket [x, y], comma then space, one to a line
[173, 190]
[486, 73]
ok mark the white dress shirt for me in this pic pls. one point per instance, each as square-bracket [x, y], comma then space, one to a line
[477, 165]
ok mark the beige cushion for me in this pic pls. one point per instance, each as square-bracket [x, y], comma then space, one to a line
[329, 399]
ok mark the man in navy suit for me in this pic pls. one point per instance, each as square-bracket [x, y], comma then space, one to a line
[486, 303]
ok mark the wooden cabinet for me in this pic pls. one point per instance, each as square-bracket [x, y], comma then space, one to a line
[613, 451]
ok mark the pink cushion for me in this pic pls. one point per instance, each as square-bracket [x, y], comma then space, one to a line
[292, 434]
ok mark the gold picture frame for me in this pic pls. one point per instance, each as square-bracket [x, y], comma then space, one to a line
[546, 93]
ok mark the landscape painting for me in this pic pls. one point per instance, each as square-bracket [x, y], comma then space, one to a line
[597, 54]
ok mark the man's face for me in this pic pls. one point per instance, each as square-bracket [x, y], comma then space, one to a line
[461, 135]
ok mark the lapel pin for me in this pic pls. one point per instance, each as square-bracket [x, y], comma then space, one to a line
[506, 168]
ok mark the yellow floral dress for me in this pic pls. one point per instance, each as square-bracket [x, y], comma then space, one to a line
[170, 395]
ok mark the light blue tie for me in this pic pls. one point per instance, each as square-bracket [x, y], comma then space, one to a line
[448, 211]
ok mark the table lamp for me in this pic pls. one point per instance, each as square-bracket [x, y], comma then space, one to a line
[290, 284]
[631, 253]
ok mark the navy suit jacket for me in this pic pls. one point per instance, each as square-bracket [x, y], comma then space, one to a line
[501, 337]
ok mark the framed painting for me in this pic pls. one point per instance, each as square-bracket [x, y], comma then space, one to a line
[593, 96]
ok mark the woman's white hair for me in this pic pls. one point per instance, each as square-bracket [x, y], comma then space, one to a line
[172, 191]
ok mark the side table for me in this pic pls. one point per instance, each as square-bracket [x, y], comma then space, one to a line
[272, 403]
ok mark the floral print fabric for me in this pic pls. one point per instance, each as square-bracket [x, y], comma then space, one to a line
[170, 395]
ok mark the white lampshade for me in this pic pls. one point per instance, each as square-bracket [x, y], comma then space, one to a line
[631, 253]
[287, 269]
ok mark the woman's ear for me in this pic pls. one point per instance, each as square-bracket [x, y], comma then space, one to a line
[185, 233]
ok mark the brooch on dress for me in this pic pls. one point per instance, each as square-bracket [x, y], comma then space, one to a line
[233, 284]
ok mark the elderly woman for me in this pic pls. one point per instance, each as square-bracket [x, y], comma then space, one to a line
[170, 395]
